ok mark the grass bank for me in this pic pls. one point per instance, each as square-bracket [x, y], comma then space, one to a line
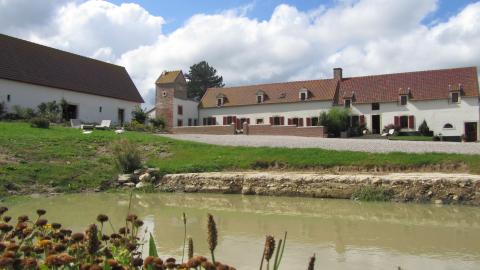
[65, 160]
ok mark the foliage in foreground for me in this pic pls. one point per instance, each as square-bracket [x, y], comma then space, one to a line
[127, 155]
[373, 194]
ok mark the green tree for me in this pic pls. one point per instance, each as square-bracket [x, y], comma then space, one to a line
[139, 115]
[201, 77]
[336, 120]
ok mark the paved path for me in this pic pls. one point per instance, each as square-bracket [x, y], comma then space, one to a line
[363, 145]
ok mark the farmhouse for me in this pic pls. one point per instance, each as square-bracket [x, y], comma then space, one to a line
[448, 100]
[31, 74]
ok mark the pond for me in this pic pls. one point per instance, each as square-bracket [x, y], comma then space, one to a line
[343, 234]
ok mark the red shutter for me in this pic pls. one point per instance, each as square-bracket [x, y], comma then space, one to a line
[411, 121]
[397, 121]
[248, 120]
[282, 121]
[271, 120]
[300, 122]
[362, 119]
[204, 121]
[214, 120]
[289, 121]
[309, 121]
[225, 120]
[239, 124]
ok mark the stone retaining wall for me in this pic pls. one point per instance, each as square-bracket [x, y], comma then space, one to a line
[405, 187]
[214, 130]
[313, 131]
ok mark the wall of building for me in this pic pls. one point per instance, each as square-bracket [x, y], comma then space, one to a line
[190, 111]
[284, 130]
[265, 111]
[437, 113]
[212, 130]
[88, 106]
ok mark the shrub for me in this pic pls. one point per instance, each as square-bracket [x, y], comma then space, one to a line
[2, 109]
[127, 156]
[336, 120]
[424, 129]
[39, 122]
[50, 110]
[373, 194]
[137, 126]
[139, 115]
[158, 122]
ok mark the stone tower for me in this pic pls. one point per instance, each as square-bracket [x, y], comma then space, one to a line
[170, 85]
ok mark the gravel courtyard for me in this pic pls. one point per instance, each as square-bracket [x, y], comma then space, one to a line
[363, 145]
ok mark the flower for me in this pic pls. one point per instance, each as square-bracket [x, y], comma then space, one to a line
[269, 247]
[102, 218]
[41, 212]
[212, 233]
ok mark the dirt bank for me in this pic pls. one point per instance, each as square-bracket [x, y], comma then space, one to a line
[437, 188]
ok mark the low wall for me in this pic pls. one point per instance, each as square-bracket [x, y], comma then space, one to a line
[214, 130]
[314, 131]
[405, 187]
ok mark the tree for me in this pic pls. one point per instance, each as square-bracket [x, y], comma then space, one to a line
[336, 120]
[139, 115]
[424, 129]
[201, 77]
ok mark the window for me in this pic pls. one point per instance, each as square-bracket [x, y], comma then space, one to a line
[259, 121]
[348, 103]
[260, 99]
[375, 106]
[315, 121]
[180, 109]
[8, 98]
[404, 121]
[195, 122]
[219, 102]
[179, 122]
[455, 97]
[403, 100]
[276, 121]
[100, 109]
[447, 125]
[303, 96]
[189, 121]
[164, 93]
[209, 121]
[354, 121]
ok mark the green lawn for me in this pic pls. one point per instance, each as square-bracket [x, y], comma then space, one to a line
[411, 138]
[65, 160]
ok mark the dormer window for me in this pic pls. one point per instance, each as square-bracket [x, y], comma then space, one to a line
[403, 100]
[303, 94]
[455, 97]
[220, 100]
[348, 103]
[260, 97]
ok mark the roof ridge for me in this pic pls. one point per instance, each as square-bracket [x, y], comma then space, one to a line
[273, 83]
[62, 51]
[410, 72]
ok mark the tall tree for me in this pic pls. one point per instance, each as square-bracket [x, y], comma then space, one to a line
[200, 77]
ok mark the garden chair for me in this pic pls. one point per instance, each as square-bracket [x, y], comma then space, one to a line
[75, 123]
[105, 124]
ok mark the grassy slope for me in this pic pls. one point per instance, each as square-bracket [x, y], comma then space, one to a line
[70, 161]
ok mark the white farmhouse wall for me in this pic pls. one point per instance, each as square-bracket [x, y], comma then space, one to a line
[265, 111]
[437, 113]
[30, 96]
[190, 111]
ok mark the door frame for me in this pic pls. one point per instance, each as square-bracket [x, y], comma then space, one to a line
[379, 123]
[476, 130]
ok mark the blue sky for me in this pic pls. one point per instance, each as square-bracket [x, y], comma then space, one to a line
[176, 13]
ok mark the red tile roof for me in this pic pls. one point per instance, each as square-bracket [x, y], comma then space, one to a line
[274, 93]
[32, 63]
[420, 85]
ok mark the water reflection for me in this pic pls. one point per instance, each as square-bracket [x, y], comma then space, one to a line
[343, 234]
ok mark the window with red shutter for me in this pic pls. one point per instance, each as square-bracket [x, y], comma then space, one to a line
[271, 121]
[282, 120]
[362, 119]
[300, 122]
[397, 121]
[309, 121]
[289, 121]
[411, 122]
[225, 120]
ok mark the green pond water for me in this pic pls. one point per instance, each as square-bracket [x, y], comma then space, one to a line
[343, 234]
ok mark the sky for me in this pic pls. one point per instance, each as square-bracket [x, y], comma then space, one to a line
[254, 41]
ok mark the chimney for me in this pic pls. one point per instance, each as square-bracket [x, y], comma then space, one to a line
[337, 74]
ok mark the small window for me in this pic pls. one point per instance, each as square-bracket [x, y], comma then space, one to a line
[189, 121]
[315, 121]
[8, 98]
[219, 102]
[404, 121]
[303, 96]
[259, 121]
[455, 97]
[195, 122]
[348, 103]
[179, 122]
[375, 106]
[164, 93]
[403, 100]
[260, 99]
[180, 110]
[447, 126]
[100, 109]
[277, 121]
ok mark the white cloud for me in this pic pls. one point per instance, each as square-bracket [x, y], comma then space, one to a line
[362, 36]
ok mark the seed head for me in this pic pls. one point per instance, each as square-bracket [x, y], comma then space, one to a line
[212, 233]
[41, 212]
[93, 244]
[3, 209]
[190, 247]
[102, 218]
[311, 264]
[7, 218]
[22, 218]
[269, 247]
[78, 237]
[56, 226]
[41, 222]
